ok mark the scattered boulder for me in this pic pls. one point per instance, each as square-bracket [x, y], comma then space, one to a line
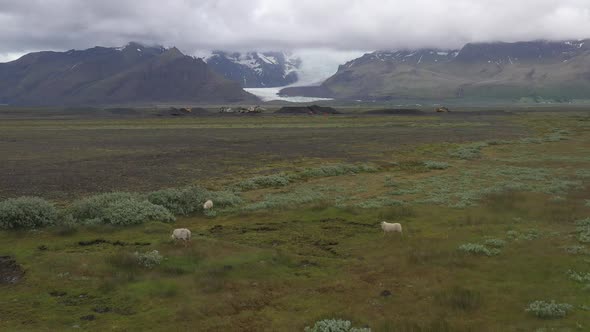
[386, 293]
[88, 317]
[311, 110]
[10, 271]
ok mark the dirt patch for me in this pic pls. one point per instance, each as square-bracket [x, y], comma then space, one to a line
[10, 271]
[114, 243]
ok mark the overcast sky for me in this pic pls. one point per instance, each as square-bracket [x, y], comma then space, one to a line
[330, 25]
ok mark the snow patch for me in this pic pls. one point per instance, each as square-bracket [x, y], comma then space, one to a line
[268, 94]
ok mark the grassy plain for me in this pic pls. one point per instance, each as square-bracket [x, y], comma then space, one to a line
[310, 249]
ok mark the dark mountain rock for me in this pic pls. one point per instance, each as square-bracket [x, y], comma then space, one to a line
[100, 75]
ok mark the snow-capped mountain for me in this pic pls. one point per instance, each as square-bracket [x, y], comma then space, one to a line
[256, 69]
[556, 70]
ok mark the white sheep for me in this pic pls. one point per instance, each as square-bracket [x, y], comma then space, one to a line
[181, 234]
[208, 205]
[391, 228]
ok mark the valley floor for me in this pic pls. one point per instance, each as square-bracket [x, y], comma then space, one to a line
[493, 209]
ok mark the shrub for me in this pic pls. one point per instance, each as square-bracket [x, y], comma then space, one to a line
[496, 243]
[270, 181]
[436, 165]
[27, 212]
[118, 209]
[584, 237]
[575, 250]
[334, 325]
[133, 212]
[189, 200]
[469, 151]
[529, 235]
[148, 259]
[478, 249]
[548, 310]
[578, 276]
[584, 223]
[182, 201]
[222, 199]
[583, 228]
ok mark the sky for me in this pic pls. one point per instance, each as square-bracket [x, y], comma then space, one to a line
[328, 30]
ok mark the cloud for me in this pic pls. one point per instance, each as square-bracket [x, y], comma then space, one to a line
[338, 25]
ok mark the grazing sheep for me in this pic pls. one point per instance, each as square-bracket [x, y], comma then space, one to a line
[208, 205]
[391, 228]
[181, 234]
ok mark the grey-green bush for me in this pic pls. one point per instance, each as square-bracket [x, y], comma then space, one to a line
[27, 212]
[469, 151]
[118, 209]
[579, 276]
[478, 249]
[269, 181]
[148, 259]
[549, 310]
[496, 243]
[223, 199]
[334, 325]
[183, 201]
[583, 229]
[438, 165]
[189, 200]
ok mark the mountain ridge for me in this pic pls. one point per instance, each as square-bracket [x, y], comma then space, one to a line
[108, 75]
[256, 69]
[558, 70]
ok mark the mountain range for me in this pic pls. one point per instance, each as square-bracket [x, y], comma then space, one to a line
[102, 75]
[256, 69]
[555, 70]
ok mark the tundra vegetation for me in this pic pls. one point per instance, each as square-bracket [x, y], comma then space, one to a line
[293, 240]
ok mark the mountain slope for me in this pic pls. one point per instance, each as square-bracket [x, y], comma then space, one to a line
[551, 70]
[256, 70]
[133, 74]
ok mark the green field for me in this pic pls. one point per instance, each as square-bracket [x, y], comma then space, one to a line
[294, 238]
